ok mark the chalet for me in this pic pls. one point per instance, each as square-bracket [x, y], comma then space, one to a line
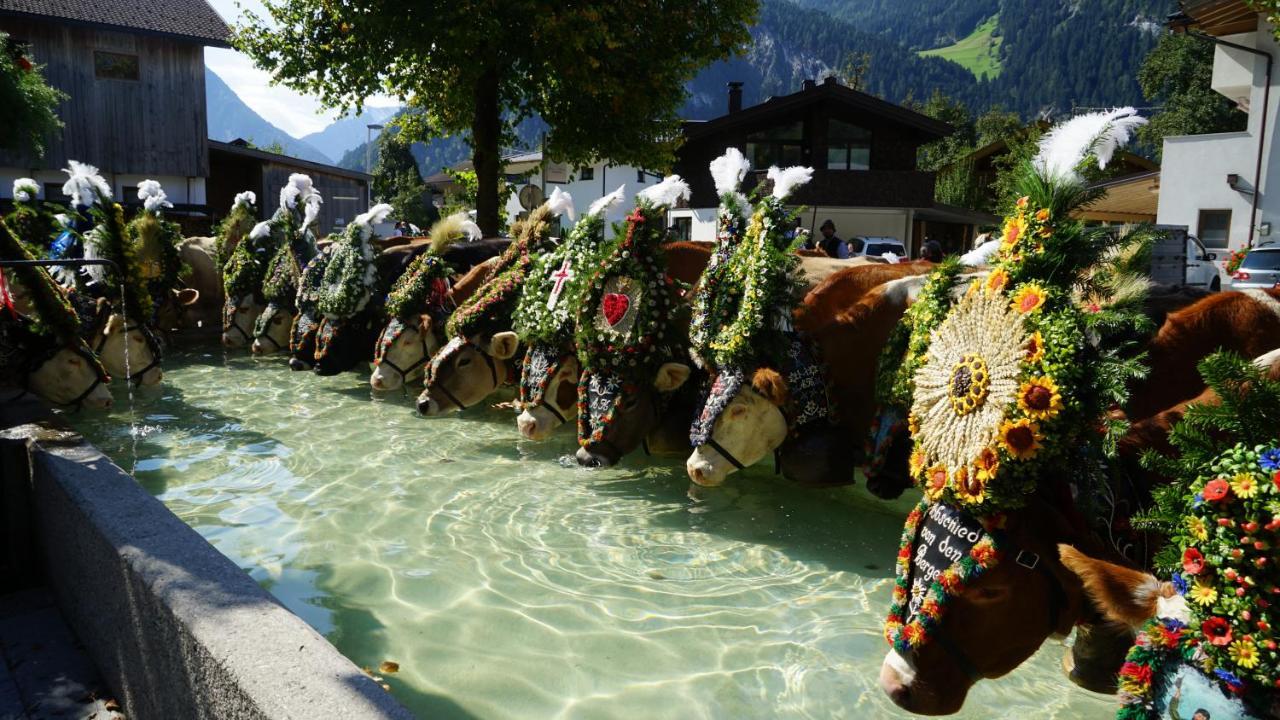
[137, 109]
[863, 151]
[1217, 185]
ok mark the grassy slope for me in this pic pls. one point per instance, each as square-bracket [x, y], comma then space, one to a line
[979, 53]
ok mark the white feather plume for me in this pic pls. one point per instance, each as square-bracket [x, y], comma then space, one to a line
[248, 199]
[153, 196]
[25, 189]
[667, 192]
[84, 184]
[608, 201]
[785, 181]
[260, 230]
[980, 255]
[376, 214]
[561, 203]
[298, 187]
[728, 170]
[471, 229]
[92, 240]
[312, 211]
[1064, 147]
[63, 219]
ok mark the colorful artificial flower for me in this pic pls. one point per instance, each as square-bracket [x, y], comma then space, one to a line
[1020, 438]
[1192, 561]
[1035, 348]
[1204, 593]
[1270, 459]
[969, 488]
[916, 464]
[1022, 202]
[1197, 527]
[984, 552]
[1039, 398]
[997, 280]
[1042, 215]
[1216, 490]
[1014, 228]
[987, 464]
[1217, 631]
[1245, 653]
[1028, 298]
[935, 481]
[1244, 485]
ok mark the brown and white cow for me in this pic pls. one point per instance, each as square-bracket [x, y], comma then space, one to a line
[127, 347]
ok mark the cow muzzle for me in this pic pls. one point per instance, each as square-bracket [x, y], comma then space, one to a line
[706, 468]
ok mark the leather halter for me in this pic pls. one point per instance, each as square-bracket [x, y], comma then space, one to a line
[233, 324]
[98, 379]
[493, 371]
[100, 340]
[264, 336]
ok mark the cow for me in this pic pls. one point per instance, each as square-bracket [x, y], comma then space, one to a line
[128, 348]
[199, 303]
[343, 343]
[64, 373]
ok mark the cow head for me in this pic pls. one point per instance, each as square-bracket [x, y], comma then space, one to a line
[342, 343]
[548, 391]
[271, 328]
[998, 620]
[128, 351]
[746, 425]
[615, 417]
[171, 310]
[303, 333]
[239, 315]
[466, 371]
[402, 352]
[71, 376]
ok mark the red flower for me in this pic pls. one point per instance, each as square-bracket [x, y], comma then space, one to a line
[1141, 673]
[1217, 630]
[24, 63]
[1171, 637]
[1276, 479]
[1192, 561]
[1216, 490]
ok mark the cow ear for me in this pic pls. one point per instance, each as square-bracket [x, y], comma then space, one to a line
[1120, 593]
[671, 376]
[503, 346]
[187, 296]
[424, 323]
[769, 383]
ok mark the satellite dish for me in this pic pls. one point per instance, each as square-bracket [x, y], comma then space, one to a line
[531, 197]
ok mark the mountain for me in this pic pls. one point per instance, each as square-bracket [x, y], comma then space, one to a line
[917, 24]
[230, 118]
[348, 132]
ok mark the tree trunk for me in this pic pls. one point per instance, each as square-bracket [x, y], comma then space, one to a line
[486, 136]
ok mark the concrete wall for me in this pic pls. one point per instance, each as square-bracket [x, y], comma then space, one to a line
[1194, 170]
[175, 628]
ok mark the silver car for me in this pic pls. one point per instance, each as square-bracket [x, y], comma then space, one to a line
[1260, 268]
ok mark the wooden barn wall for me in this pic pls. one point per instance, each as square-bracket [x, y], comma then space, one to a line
[335, 212]
[154, 125]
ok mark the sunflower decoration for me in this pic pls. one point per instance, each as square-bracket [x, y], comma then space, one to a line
[350, 279]
[1005, 378]
[491, 308]
[1222, 517]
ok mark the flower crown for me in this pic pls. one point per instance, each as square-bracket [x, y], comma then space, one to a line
[351, 277]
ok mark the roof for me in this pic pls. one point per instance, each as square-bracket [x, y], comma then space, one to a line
[1131, 198]
[828, 90]
[244, 151]
[182, 19]
[1218, 17]
[941, 212]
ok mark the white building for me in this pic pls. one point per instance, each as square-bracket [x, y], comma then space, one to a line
[584, 184]
[1214, 184]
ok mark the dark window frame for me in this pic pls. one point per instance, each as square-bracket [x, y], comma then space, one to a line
[586, 173]
[108, 65]
[1200, 227]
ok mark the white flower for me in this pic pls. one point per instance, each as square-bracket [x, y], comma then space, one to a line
[84, 185]
[606, 202]
[153, 196]
[25, 189]
[982, 325]
[248, 199]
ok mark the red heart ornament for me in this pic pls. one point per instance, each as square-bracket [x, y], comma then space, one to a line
[615, 307]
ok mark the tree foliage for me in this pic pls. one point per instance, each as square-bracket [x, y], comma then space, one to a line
[608, 78]
[1178, 73]
[396, 180]
[28, 105]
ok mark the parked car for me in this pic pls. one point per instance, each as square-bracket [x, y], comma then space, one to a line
[1259, 269]
[1202, 270]
[875, 246]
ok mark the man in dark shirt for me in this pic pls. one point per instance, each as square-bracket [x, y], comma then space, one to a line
[830, 244]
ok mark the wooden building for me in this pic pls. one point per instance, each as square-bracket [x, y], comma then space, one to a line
[863, 151]
[135, 77]
[235, 167]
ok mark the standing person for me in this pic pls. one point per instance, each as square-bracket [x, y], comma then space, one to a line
[830, 244]
[931, 251]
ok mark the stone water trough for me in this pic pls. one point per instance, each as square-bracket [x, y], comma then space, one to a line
[175, 629]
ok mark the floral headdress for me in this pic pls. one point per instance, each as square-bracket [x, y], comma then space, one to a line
[351, 278]
[235, 226]
[108, 240]
[156, 239]
[253, 246]
[34, 222]
[1221, 514]
[491, 308]
[1009, 383]
[717, 296]
[291, 227]
[53, 315]
[424, 286]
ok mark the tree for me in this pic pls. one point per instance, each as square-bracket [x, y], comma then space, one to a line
[1178, 73]
[28, 105]
[853, 72]
[396, 180]
[960, 142]
[607, 77]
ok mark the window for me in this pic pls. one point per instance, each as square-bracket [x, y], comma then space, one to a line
[781, 145]
[640, 176]
[587, 173]
[681, 228]
[1215, 228]
[848, 146]
[114, 66]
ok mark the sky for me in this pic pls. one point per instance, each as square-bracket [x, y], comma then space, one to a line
[290, 111]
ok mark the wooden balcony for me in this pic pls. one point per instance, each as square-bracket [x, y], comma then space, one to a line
[861, 188]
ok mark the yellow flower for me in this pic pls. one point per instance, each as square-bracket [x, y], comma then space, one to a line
[1014, 229]
[1042, 215]
[987, 464]
[935, 481]
[1203, 593]
[968, 486]
[1022, 201]
[918, 460]
[1020, 438]
[913, 423]
[1035, 348]
[997, 280]
[1244, 485]
[1039, 398]
[1029, 298]
[1197, 528]
[1245, 653]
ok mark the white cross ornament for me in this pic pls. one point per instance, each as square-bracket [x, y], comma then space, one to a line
[561, 276]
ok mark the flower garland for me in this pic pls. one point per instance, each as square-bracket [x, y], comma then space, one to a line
[109, 240]
[905, 630]
[351, 274]
[157, 241]
[423, 287]
[34, 223]
[53, 315]
[246, 269]
[235, 227]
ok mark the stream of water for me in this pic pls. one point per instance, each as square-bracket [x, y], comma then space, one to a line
[509, 583]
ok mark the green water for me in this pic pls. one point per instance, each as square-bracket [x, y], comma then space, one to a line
[509, 583]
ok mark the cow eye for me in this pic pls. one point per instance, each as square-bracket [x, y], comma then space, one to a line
[74, 362]
[464, 361]
[990, 594]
